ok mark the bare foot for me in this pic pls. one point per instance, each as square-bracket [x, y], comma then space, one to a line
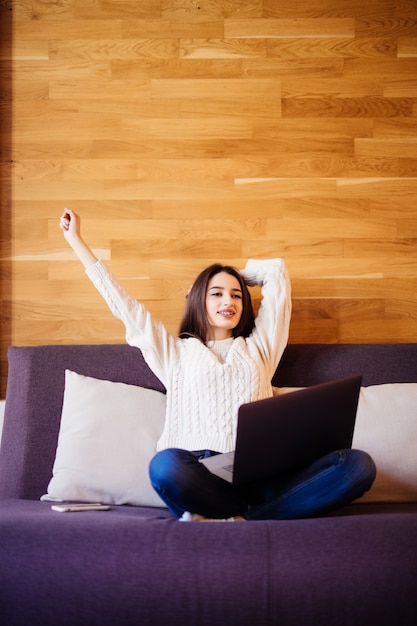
[194, 517]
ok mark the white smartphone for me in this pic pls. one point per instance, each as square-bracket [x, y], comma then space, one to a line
[70, 507]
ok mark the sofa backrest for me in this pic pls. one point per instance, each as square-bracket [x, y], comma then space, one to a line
[36, 388]
[311, 364]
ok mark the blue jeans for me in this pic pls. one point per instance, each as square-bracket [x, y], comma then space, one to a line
[185, 484]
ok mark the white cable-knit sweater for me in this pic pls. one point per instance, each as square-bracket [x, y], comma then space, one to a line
[207, 384]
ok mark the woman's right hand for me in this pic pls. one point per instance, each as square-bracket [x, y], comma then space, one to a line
[70, 224]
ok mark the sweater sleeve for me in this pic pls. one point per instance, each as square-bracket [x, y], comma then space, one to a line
[151, 337]
[273, 320]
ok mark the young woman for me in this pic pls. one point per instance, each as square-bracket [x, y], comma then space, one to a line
[222, 358]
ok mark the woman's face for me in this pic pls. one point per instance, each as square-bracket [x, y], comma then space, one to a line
[223, 305]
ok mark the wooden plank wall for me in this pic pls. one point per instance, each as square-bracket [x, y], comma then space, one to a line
[191, 131]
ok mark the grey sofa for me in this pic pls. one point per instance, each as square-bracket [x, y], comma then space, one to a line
[136, 565]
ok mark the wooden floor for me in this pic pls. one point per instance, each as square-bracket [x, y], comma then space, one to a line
[186, 132]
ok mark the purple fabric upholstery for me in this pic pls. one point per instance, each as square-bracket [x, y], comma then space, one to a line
[137, 565]
[310, 364]
[134, 566]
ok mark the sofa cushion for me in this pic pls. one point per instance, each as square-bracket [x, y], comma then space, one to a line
[107, 437]
[386, 427]
[136, 566]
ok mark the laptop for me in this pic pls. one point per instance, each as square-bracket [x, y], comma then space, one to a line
[288, 432]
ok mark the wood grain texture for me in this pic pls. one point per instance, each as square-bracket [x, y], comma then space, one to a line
[189, 132]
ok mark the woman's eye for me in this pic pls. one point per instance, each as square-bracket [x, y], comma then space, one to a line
[219, 294]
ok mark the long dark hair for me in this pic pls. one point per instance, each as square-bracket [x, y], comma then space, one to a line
[194, 322]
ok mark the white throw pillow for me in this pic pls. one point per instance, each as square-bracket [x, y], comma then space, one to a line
[386, 428]
[107, 437]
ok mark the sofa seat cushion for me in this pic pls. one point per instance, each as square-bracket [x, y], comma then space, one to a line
[134, 565]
